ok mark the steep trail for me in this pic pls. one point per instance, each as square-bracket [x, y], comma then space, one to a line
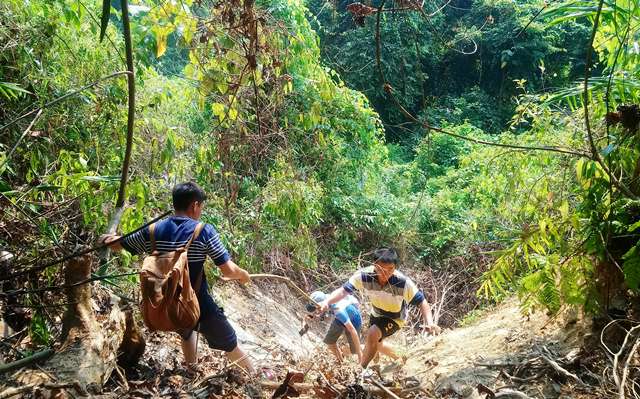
[267, 318]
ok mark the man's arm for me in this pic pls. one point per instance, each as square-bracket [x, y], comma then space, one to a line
[234, 272]
[415, 297]
[334, 297]
[217, 251]
[425, 309]
[354, 284]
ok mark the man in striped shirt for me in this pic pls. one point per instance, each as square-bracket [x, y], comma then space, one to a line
[173, 233]
[390, 292]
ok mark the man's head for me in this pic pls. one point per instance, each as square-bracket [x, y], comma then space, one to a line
[317, 297]
[188, 199]
[385, 261]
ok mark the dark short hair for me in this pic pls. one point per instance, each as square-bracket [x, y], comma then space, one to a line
[185, 194]
[386, 255]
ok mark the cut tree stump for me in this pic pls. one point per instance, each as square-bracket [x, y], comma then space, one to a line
[88, 354]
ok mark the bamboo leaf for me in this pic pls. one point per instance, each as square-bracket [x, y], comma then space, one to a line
[106, 11]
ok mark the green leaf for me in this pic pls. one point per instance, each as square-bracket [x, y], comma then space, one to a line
[106, 11]
[634, 226]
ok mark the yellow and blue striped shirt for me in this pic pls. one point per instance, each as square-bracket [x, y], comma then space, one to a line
[389, 300]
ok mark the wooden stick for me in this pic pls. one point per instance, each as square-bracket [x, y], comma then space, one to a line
[81, 253]
[384, 389]
[283, 278]
[26, 361]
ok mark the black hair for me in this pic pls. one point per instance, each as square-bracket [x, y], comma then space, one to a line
[185, 194]
[386, 255]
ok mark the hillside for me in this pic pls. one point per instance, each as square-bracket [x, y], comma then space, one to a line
[491, 148]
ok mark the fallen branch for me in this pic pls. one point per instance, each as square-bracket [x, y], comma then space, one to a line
[558, 368]
[620, 382]
[10, 392]
[511, 393]
[386, 390]
[36, 357]
[283, 278]
[305, 386]
[65, 286]
[625, 370]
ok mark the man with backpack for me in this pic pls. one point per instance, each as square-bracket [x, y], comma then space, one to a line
[390, 292]
[347, 320]
[174, 236]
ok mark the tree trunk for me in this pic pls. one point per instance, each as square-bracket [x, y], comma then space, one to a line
[88, 354]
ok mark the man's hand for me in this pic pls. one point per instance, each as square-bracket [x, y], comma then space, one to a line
[244, 277]
[323, 306]
[109, 240]
[431, 329]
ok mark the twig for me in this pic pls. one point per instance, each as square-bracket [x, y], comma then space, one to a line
[122, 376]
[625, 370]
[64, 97]
[10, 392]
[384, 389]
[15, 146]
[62, 287]
[511, 393]
[285, 279]
[25, 361]
[620, 382]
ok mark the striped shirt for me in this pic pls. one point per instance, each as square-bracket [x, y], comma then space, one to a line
[173, 233]
[389, 300]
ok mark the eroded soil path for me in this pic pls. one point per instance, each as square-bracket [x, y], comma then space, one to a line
[500, 351]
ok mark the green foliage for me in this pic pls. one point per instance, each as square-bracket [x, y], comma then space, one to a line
[457, 65]
[262, 112]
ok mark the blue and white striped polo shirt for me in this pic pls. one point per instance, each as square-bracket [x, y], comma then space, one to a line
[389, 300]
[173, 233]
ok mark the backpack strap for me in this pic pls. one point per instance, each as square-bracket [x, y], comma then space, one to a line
[152, 237]
[195, 235]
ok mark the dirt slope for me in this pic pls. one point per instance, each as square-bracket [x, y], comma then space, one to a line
[458, 360]
[451, 365]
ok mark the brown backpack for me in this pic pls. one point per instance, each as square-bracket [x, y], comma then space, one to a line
[168, 302]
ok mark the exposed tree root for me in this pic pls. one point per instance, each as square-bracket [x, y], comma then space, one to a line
[88, 354]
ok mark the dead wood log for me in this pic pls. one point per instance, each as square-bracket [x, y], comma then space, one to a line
[88, 354]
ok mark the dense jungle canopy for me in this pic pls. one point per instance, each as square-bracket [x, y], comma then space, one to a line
[495, 143]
